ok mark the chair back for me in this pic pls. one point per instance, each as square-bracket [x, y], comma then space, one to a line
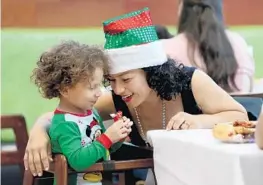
[18, 124]
[252, 102]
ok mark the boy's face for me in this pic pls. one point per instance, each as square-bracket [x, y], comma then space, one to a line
[84, 94]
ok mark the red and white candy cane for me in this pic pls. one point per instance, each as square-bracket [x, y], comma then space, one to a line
[116, 117]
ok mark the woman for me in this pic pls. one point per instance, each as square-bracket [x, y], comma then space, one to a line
[148, 88]
[259, 131]
[203, 41]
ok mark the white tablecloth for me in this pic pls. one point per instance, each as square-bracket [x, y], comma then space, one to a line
[194, 157]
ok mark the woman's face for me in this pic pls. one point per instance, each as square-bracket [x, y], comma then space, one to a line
[131, 86]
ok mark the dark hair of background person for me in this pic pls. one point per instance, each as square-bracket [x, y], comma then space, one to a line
[204, 31]
[162, 32]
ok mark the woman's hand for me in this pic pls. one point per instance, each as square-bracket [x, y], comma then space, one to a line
[38, 152]
[182, 121]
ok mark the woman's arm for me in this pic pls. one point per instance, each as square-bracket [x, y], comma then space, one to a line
[43, 122]
[217, 105]
[259, 131]
[38, 151]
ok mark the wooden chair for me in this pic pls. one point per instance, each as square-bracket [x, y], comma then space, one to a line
[18, 124]
[60, 169]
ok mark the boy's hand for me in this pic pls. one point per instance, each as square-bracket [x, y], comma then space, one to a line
[119, 129]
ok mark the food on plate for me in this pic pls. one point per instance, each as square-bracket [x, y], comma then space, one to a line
[238, 131]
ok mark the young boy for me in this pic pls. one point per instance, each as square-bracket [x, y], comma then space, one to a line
[73, 73]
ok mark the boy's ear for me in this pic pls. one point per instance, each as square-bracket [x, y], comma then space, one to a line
[64, 92]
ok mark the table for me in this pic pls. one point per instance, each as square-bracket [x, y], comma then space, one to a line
[194, 157]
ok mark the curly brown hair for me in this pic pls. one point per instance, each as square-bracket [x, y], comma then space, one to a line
[65, 65]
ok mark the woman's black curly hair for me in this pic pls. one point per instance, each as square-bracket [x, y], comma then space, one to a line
[168, 79]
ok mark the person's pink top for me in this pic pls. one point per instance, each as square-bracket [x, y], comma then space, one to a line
[176, 48]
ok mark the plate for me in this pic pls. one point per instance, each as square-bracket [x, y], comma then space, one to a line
[228, 133]
[239, 139]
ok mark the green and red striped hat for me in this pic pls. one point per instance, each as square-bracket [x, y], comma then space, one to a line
[132, 42]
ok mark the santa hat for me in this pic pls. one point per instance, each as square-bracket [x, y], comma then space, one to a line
[132, 42]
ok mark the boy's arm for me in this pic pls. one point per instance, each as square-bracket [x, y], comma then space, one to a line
[115, 146]
[69, 140]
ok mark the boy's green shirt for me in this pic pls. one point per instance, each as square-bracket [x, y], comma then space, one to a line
[74, 136]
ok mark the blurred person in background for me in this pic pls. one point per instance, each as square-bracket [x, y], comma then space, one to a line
[259, 131]
[162, 32]
[204, 42]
